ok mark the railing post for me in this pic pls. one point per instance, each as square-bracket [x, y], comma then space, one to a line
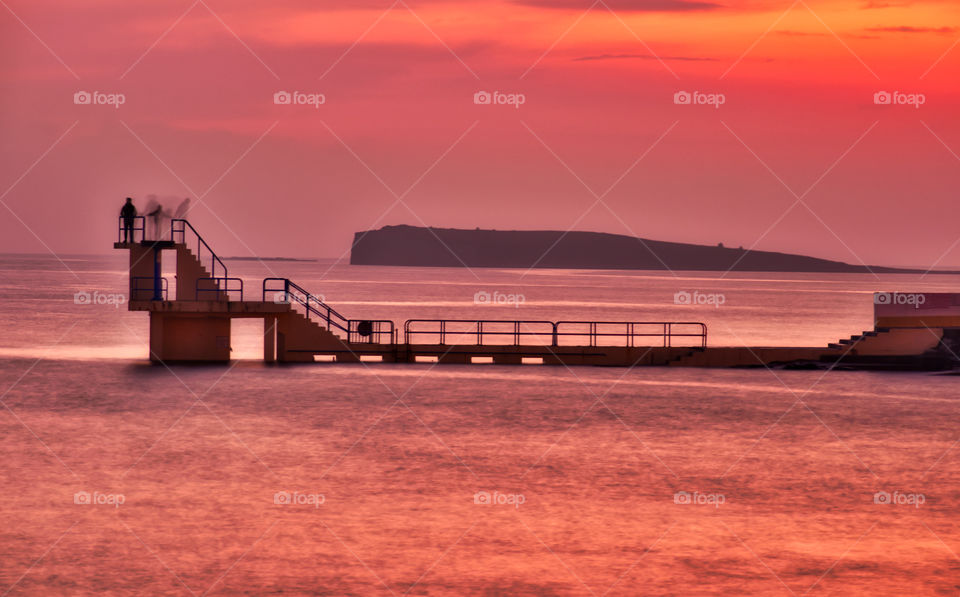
[555, 340]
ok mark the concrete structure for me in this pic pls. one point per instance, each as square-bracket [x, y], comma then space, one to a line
[913, 331]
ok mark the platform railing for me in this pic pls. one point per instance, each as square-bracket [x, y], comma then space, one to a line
[142, 288]
[137, 230]
[374, 331]
[221, 288]
[503, 332]
[480, 332]
[178, 234]
[634, 333]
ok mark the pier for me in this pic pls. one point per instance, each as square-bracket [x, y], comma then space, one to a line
[192, 323]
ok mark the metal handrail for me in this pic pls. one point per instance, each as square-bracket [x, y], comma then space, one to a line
[441, 329]
[201, 244]
[357, 330]
[595, 330]
[141, 229]
[663, 329]
[136, 288]
[220, 285]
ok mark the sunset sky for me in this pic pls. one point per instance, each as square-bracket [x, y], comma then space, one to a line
[798, 158]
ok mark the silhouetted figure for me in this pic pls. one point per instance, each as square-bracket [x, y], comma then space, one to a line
[129, 214]
[156, 215]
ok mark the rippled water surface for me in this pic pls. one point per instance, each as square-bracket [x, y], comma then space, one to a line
[450, 480]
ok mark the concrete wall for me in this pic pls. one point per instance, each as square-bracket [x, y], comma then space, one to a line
[189, 338]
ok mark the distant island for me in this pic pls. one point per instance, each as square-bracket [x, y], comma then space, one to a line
[450, 247]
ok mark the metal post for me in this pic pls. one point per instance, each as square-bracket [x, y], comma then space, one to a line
[157, 291]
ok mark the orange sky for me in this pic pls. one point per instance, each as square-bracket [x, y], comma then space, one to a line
[798, 158]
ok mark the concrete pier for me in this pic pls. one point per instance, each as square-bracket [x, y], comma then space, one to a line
[193, 324]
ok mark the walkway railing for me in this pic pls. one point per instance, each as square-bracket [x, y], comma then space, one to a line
[501, 332]
[480, 332]
[633, 333]
[142, 288]
[220, 288]
[376, 331]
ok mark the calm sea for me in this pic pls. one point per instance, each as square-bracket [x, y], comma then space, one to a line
[123, 478]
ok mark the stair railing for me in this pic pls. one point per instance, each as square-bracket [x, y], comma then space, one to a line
[178, 234]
